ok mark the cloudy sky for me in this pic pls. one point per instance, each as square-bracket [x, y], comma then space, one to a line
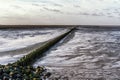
[60, 12]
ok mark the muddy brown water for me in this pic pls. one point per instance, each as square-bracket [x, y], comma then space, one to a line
[86, 54]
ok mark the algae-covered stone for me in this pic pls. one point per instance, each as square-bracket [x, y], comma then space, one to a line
[15, 72]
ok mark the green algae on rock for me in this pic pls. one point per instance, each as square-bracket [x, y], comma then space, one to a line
[16, 72]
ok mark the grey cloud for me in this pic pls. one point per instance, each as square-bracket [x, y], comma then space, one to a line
[101, 0]
[56, 4]
[81, 13]
[46, 4]
[108, 13]
[107, 9]
[116, 11]
[115, 1]
[38, 5]
[84, 13]
[69, 13]
[112, 10]
[97, 14]
[87, 13]
[13, 17]
[52, 3]
[16, 6]
[77, 6]
[53, 10]
[92, 14]
[110, 16]
[35, 4]
[19, 7]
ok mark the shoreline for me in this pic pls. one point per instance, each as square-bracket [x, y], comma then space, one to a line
[57, 26]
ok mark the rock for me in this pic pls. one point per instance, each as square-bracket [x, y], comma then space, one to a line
[48, 74]
[15, 72]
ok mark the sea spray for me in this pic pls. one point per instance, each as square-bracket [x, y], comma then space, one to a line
[22, 69]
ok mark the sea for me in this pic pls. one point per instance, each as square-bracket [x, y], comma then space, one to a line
[84, 54]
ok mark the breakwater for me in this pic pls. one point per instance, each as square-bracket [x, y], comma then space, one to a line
[22, 68]
[37, 53]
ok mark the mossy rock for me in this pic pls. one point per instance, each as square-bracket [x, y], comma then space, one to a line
[21, 72]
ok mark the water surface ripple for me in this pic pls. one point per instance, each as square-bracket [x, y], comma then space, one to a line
[90, 54]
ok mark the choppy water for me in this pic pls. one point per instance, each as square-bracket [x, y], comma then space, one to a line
[12, 39]
[84, 54]
[20, 41]
[90, 54]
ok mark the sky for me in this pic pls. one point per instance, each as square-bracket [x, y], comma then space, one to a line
[60, 12]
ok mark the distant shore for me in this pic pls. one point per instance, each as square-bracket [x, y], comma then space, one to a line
[34, 26]
[57, 26]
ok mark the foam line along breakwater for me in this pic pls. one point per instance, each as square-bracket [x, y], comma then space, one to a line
[22, 68]
[37, 53]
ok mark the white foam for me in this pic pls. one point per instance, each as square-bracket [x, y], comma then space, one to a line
[9, 59]
[11, 43]
[82, 50]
